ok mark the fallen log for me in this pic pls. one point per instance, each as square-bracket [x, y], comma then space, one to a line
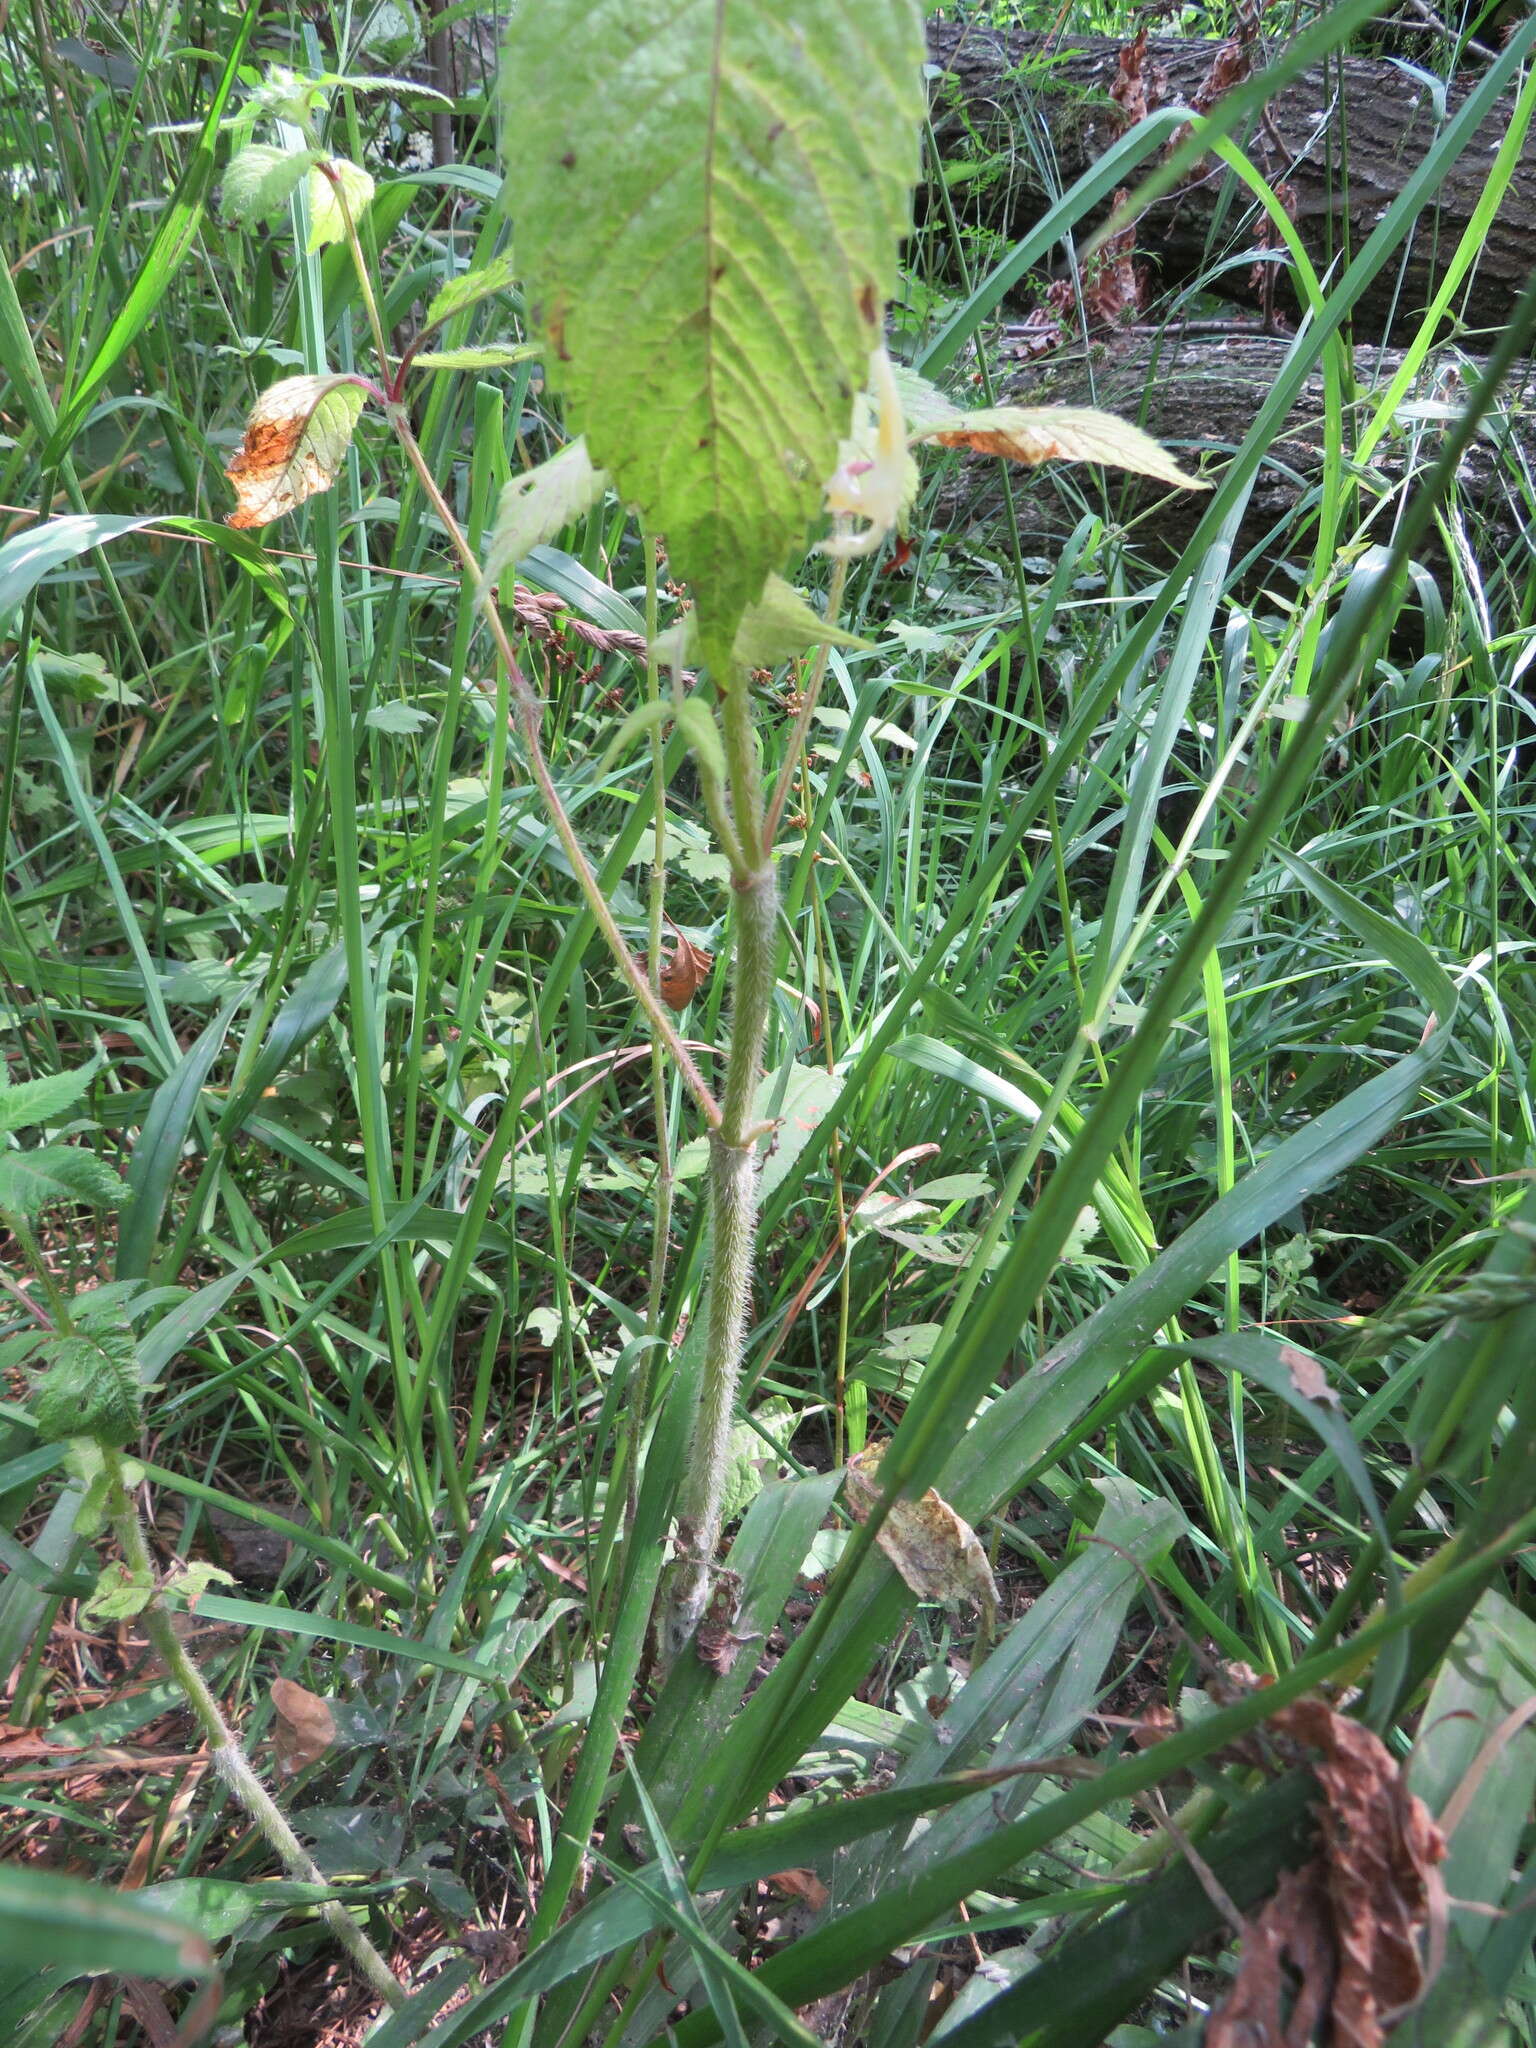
[1342, 139]
[1198, 394]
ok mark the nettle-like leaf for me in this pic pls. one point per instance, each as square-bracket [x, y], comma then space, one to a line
[296, 439]
[1036, 434]
[693, 719]
[34, 1180]
[490, 355]
[41, 1101]
[404, 720]
[740, 178]
[283, 95]
[90, 1387]
[926, 407]
[86, 678]
[775, 629]
[471, 286]
[190, 1579]
[331, 182]
[261, 180]
[119, 1594]
[752, 1463]
[388, 32]
[535, 506]
[781, 625]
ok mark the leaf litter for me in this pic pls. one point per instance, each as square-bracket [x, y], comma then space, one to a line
[1353, 1935]
[936, 1552]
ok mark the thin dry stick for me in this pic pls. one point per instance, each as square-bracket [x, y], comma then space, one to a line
[526, 714]
[527, 718]
[228, 1757]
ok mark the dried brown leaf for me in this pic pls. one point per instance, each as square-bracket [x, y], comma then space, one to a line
[801, 1884]
[936, 1553]
[1377, 1877]
[1045, 327]
[296, 439]
[1287, 1962]
[305, 1727]
[1308, 1376]
[1114, 283]
[1063, 433]
[683, 973]
[1229, 67]
[1137, 86]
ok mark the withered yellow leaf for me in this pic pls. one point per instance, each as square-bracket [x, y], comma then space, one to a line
[305, 1727]
[296, 438]
[1036, 434]
[936, 1552]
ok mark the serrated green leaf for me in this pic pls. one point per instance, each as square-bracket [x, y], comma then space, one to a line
[339, 181]
[781, 625]
[85, 677]
[925, 407]
[777, 627]
[192, 1580]
[403, 719]
[32, 1181]
[459, 293]
[534, 507]
[389, 31]
[120, 1594]
[742, 178]
[794, 1100]
[692, 718]
[41, 1101]
[367, 81]
[750, 1463]
[494, 356]
[85, 1463]
[695, 721]
[260, 180]
[89, 1387]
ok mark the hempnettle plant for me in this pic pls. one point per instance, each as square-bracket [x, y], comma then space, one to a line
[709, 283]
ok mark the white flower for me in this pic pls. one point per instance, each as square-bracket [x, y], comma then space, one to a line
[875, 478]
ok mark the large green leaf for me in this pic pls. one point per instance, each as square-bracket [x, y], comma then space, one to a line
[741, 177]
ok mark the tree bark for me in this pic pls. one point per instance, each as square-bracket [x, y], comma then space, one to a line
[1343, 138]
[1198, 394]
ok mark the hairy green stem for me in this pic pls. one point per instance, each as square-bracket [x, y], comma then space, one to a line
[732, 1189]
[228, 1757]
[661, 1221]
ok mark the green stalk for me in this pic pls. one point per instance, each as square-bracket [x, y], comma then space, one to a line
[229, 1758]
[661, 1219]
[732, 1179]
